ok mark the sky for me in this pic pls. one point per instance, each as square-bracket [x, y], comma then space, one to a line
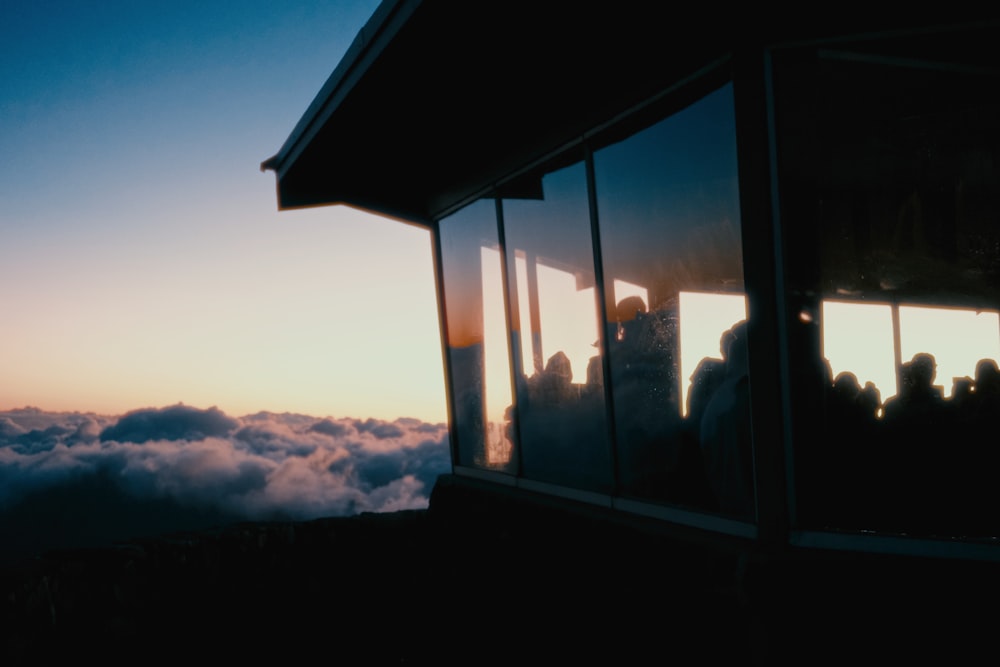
[143, 261]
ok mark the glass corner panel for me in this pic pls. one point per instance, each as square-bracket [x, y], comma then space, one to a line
[476, 330]
[560, 396]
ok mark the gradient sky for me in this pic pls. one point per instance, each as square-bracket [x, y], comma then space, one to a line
[143, 261]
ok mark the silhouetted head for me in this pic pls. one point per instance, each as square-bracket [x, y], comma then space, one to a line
[923, 368]
[736, 355]
[629, 307]
[870, 397]
[987, 377]
[627, 313]
[725, 341]
[847, 385]
[961, 388]
[595, 374]
[559, 366]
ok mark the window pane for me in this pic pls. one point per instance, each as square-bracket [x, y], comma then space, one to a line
[858, 339]
[957, 337]
[888, 154]
[560, 396]
[668, 205]
[477, 338]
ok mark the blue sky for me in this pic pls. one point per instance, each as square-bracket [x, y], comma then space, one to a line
[143, 261]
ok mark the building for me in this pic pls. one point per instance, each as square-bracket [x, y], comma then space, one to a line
[741, 283]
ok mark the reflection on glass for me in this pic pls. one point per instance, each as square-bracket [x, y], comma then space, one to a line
[496, 382]
[477, 340]
[568, 318]
[890, 196]
[705, 322]
[668, 208]
[560, 396]
[531, 357]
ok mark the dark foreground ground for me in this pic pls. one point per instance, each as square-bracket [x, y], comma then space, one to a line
[466, 583]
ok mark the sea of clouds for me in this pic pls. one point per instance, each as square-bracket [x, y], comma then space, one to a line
[205, 463]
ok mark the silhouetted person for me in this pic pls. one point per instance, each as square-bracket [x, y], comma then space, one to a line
[555, 383]
[916, 424]
[983, 459]
[595, 374]
[628, 313]
[919, 398]
[844, 468]
[706, 378]
[870, 400]
[642, 343]
[987, 397]
[963, 400]
[725, 434]
[562, 429]
[647, 414]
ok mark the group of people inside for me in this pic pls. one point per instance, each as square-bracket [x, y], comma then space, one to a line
[912, 462]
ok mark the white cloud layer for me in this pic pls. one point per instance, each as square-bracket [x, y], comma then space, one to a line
[257, 467]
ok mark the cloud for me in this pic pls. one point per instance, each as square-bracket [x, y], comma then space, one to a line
[178, 422]
[9, 429]
[329, 427]
[258, 467]
[379, 429]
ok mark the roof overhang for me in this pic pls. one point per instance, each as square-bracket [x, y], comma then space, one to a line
[437, 102]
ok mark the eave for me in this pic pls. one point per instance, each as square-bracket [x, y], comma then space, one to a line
[437, 102]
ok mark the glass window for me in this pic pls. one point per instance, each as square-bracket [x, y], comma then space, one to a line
[561, 410]
[476, 328]
[668, 210]
[890, 200]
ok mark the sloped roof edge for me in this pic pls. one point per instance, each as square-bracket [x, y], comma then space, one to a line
[373, 37]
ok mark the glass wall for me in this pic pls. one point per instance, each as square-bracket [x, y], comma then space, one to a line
[668, 210]
[888, 157]
[659, 331]
[476, 332]
[622, 369]
[561, 408]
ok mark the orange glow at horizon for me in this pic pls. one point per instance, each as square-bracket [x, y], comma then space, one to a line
[327, 312]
